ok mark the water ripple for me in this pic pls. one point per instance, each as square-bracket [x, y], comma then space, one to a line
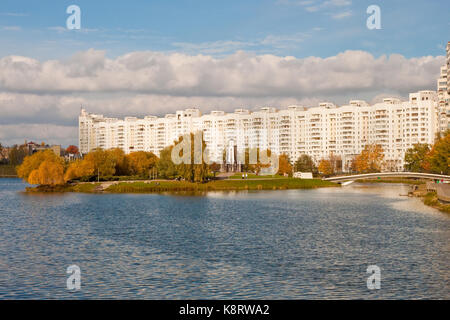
[252, 245]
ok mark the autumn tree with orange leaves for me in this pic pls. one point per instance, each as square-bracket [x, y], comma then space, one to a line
[43, 167]
[437, 160]
[72, 149]
[325, 167]
[284, 165]
[370, 160]
[140, 163]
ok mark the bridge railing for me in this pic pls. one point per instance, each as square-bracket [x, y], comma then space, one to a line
[389, 174]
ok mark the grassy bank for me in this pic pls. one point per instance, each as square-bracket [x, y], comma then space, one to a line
[7, 171]
[431, 200]
[254, 176]
[393, 180]
[176, 186]
[83, 187]
[218, 185]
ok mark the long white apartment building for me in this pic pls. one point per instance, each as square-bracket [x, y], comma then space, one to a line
[316, 131]
[443, 90]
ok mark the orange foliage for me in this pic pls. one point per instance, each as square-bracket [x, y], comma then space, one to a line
[284, 166]
[72, 149]
[51, 173]
[325, 167]
[370, 159]
[140, 163]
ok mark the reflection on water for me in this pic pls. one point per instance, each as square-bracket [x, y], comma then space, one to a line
[268, 244]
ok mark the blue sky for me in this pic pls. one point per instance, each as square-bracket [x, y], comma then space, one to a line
[297, 28]
[138, 58]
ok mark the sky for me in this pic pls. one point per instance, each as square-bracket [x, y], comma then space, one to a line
[137, 58]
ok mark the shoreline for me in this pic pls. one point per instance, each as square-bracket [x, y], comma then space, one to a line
[171, 186]
[157, 186]
[430, 199]
[7, 171]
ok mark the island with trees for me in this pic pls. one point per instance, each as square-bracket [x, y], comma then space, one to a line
[143, 172]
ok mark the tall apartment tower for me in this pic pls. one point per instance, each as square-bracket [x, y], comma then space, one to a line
[87, 130]
[448, 67]
[443, 90]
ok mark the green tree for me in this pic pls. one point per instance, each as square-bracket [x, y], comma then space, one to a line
[305, 164]
[2, 160]
[214, 167]
[438, 159]
[120, 159]
[165, 167]
[17, 155]
[415, 157]
[191, 171]
[256, 167]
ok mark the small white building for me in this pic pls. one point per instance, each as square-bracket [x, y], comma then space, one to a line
[303, 175]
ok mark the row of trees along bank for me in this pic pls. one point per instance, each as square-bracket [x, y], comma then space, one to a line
[420, 158]
[430, 159]
[45, 168]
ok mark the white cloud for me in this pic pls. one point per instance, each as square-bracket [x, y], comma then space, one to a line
[14, 14]
[51, 92]
[60, 29]
[215, 47]
[286, 41]
[342, 15]
[49, 133]
[11, 28]
[329, 6]
[238, 74]
[296, 2]
[272, 41]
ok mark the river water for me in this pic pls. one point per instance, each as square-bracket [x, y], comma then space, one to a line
[290, 244]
